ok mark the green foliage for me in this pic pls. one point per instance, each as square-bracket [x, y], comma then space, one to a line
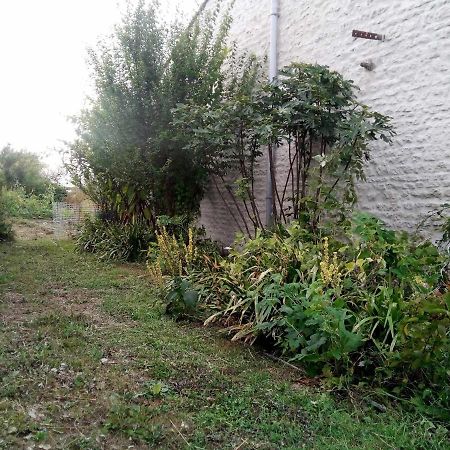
[5, 225]
[171, 258]
[175, 225]
[128, 157]
[134, 421]
[446, 230]
[18, 203]
[311, 113]
[358, 304]
[218, 396]
[25, 170]
[26, 191]
[181, 298]
[115, 240]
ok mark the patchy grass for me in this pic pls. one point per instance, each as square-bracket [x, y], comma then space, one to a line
[34, 229]
[87, 361]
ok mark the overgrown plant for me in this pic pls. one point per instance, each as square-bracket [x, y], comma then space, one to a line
[128, 156]
[310, 113]
[17, 203]
[115, 240]
[169, 262]
[5, 225]
[359, 304]
[170, 255]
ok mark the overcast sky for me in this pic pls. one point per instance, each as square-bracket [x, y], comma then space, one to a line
[44, 77]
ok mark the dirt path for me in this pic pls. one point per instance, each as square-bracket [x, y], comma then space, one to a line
[88, 361]
[25, 229]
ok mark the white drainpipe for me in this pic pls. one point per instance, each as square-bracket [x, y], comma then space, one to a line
[273, 50]
[273, 72]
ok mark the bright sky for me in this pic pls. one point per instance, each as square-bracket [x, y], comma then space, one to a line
[44, 77]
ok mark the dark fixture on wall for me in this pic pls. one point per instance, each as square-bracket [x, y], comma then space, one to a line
[367, 35]
[369, 65]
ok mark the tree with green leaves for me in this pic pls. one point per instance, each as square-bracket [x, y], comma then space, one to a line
[311, 113]
[25, 170]
[20, 168]
[128, 156]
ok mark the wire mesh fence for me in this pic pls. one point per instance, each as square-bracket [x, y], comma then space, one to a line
[67, 216]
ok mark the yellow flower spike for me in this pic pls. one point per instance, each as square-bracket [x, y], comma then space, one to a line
[330, 271]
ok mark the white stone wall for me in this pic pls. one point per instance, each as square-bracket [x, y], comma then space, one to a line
[410, 83]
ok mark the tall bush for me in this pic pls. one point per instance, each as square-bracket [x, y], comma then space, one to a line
[312, 114]
[128, 156]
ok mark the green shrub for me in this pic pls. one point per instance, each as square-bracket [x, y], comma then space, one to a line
[115, 240]
[170, 255]
[19, 204]
[312, 115]
[5, 226]
[359, 305]
[5, 229]
[128, 155]
[173, 256]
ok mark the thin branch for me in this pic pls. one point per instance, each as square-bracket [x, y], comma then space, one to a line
[230, 210]
[347, 165]
[290, 175]
[250, 216]
[236, 203]
[180, 433]
[275, 194]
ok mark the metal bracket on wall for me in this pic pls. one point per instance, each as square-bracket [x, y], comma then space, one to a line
[367, 35]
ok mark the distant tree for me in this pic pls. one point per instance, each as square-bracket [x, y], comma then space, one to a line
[23, 169]
[20, 168]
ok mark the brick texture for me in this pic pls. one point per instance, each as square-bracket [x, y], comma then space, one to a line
[410, 83]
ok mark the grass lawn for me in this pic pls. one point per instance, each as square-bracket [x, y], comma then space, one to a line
[88, 361]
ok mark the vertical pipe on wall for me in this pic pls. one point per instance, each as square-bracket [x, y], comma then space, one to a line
[273, 45]
[273, 72]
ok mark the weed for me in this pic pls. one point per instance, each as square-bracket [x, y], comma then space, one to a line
[135, 421]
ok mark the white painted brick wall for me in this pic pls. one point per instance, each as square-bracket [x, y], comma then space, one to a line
[411, 83]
